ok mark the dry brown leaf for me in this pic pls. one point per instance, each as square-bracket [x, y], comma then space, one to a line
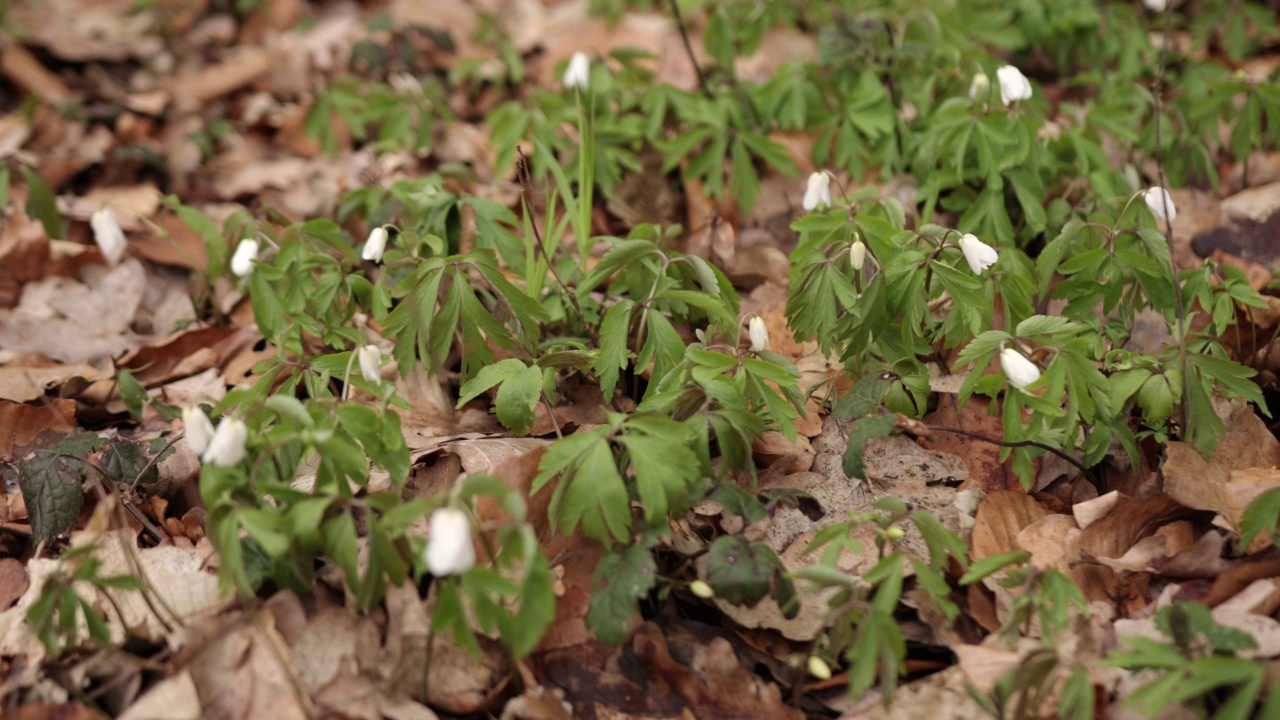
[1047, 540]
[1002, 515]
[24, 428]
[1243, 467]
[174, 698]
[241, 669]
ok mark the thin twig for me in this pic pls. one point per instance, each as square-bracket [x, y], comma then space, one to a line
[154, 460]
[1096, 482]
[688, 48]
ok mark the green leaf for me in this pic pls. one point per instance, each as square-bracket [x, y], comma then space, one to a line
[42, 204]
[489, 376]
[613, 346]
[740, 572]
[986, 566]
[133, 395]
[621, 581]
[123, 461]
[860, 432]
[517, 397]
[1261, 515]
[51, 487]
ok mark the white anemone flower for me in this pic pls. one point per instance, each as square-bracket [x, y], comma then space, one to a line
[449, 549]
[1020, 371]
[226, 447]
[1160, 202]
[197, 429]
[759, 334]
[978, 254]
[242, 260]
[1014, 86]
[370, 358]
[108, 235]
[818, 193]
[578, 73]
[376, 245]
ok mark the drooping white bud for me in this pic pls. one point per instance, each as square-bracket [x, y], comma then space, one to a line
[197, 429]
[759, 334]
[978, 254]
[242, 260]
[1014, 86]
[108, 235]
[449, 549]
[578, 73]
[1020, 371]
[1160, 202]
[226, 447]
[370, 358]
[818, 192]
[375, 245]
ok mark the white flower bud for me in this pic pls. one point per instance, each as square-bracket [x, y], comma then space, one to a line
[759, 334]
[242, 260]
[578, 73]
[375, 245]
[197, 429]
[819, 668]
[978, 254]
[370, 358]
[226, 447]
[1156, 6]
[858, 255]
[1014, 86]
[702, 590]
[449, 549]
[979, 87]
[1020, 371]
[1160, 202]
[818, 193]
[108, 235]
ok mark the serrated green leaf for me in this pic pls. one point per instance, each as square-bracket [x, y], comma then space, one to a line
[621, 581]
[51, 488]
[860, 432]
[988, 565]
[517, 397]
[42, 204]
[613, 346]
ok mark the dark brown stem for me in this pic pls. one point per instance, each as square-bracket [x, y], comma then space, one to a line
[688, 48]
[1023, 443]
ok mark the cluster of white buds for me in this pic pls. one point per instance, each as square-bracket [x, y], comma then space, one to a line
[223, 446]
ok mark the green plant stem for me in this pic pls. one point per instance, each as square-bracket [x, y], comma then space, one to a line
[1180, 332]
[526, 190]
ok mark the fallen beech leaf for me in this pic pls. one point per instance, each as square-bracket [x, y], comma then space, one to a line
[1002, 515]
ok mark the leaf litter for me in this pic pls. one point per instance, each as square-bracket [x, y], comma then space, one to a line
[68, 321]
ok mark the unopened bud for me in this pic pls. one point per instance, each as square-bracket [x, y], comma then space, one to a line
[819, 668]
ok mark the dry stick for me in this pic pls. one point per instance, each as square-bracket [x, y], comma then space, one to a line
[1023, 443]
[526, 190]
[155, 460]
[688, 48]
[1181, 329]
